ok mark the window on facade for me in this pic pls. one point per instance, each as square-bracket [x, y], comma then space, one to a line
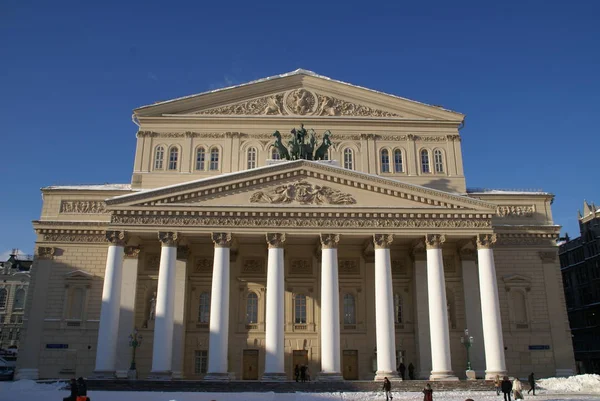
[275, 153]
[204, 308]
[201, 362]
[398, 162]
[214, 159]
[251, 158]
[438, 160]
[200, 158]
[19, 302]
[2, 318]
[348, 159]
[76, 306]
[349, 309]
[18, 335]
[385, 161]
[520, 307]
[3, 298]
[398, 312]
[300, 309]
[425, 161]
[159, 157]
[173, 157]
[252, 308]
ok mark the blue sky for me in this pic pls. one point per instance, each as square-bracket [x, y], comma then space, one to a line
[524, 72]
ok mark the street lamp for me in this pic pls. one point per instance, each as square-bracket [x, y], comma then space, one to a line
[467, 341]
[135, 340]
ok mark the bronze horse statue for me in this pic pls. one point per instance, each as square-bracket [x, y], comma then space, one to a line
[283, 152]
[322, 149]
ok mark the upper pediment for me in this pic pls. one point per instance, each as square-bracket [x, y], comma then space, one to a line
[302, 185]
[298, 94]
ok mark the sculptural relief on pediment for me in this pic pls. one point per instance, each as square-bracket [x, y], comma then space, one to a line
[304, 193]
[299, 102]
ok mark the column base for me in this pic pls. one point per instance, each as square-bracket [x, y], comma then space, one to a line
[103, 374]
[443, 376]
[392, 376]
[217, 377]
[471, 375]
[274, 377]
[160, 375]
[330, 377]
[564, 372]
[491, 374]
[27, 374]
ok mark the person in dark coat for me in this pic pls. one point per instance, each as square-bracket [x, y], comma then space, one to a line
[74, 391]
[506, 388]
[303, 373]
[427, 392]
[387, 389]
[531, 381]
[411, 371]
[82, 388]
[297, 372]
[402, 370]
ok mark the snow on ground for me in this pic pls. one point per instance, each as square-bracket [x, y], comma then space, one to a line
[575, 388]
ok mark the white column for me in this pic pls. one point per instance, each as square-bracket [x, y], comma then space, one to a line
[106, 350]
[330, 309]
[127, 315]
[274, 347]
[162, 349]
[384, 309]
[179, 314]
[423, 368]
[441, 364]
[219, 310]
[490, 308]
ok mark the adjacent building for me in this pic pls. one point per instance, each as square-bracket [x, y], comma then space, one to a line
[363, 251]
[14, 285]
[580, 265]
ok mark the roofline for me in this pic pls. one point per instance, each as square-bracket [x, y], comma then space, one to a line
[299, 71]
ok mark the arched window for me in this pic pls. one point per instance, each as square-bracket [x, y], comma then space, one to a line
[173, 157]
[204, 308]
[214, 159]
[200, 158]
[438, 161]
[159, 157]
[275, 153]
[398, 162]
[398, 309]
[520, 307]
[385, 161]
[252, 308]
[76, 307]
[349, 309]
[425, 161]
[19, 302]
[348, 159]
[3, 298]
[300, 309]
[251, 158]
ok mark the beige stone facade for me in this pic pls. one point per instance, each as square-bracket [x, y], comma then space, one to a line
[204, 164]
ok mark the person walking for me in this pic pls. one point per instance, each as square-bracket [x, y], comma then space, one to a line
[427, 393]
[497, 384]
[387, 388]
[506, 388]
[303, 373]
[531, 380]
[402, 370]
[517, 389]
[297, 373]
[81, 390]
[411, 371]
[74, 391]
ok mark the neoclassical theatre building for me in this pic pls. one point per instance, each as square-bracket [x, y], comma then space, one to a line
[234, 263]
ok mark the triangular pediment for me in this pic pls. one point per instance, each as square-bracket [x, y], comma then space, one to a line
[301, 185]
[300, 93]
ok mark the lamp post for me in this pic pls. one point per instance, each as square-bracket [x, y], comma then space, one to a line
[467, 341]
[135, 340]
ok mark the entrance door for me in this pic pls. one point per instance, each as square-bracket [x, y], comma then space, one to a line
[350, 364]
[299, 358]
[250, 364]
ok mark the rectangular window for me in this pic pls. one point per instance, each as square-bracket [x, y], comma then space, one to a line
[201, 362]
[200, 159]
[214, 159]
[300, 310]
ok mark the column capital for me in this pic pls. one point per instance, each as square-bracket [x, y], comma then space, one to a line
[132, 252]
[382, 241]
[116, 237]
[221, 240]
[168, 238]
[45, 252]
[329, 241]
[548, 256]
[485, 241]
[434, 241]
[275, 240]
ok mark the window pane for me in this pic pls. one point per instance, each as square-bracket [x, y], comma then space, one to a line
[252, 308]
[349, 309]
[425, 161]
[159, 157]
[348, 159]
[201, 362]
[204, 308]
[300, 309]
[439, 161]
[173, 156]
[200, 158]
[398, 165]
[385, 161]
[251, 158]
[214, 159]
[19, 302]
[3, 298]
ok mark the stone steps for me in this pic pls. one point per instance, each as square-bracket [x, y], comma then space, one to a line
[282, 387]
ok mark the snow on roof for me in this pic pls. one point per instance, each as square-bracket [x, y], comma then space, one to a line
[98, 187]
[489, 191]
[299, 71]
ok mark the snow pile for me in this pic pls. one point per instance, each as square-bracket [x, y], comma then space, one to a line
[575, 384]
[31, 385]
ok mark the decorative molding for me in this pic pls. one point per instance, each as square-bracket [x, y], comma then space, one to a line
[82, 207]
[515, 210]
[253, 266]
[45, 252]
[449, 264]
[304, 193]
[399, 267]
[348, 267]
[453, 138]
[395, 138]
[548, 256]
[430, 138]
[73, 236]
[329, 241]
[301, 267]
[152, 262]
[221, 240]
[526, 239]
[331, 106]
[168, 238]
[434, 241]
[203, 265]
[132, 252]
[116, 238]
[275, 240]
[383, 241]
[486, 241]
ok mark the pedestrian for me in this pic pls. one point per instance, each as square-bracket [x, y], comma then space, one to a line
[297, 372]
[411, 371]
[74, 391]
[402, 370]
[303, 373]
[81, 390]
[428, 393]
[387, 388]
[506, 388]
[497, 384]
[517, 389]
[531, 380]
[307, 373]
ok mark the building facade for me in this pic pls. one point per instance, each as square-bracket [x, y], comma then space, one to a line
[233, 262]
[14, 285]
[580, 265]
